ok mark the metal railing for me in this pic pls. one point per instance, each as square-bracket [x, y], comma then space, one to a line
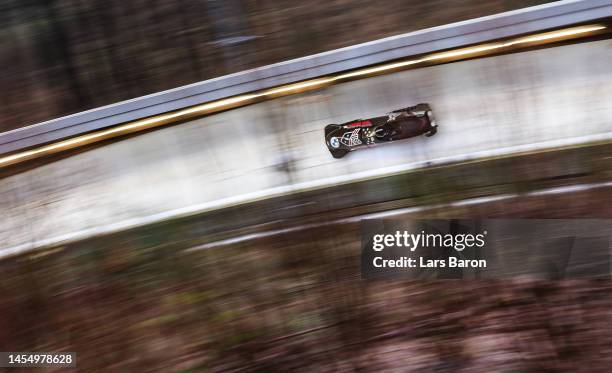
[456, 35]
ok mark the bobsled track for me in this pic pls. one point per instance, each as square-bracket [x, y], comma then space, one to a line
[538, 100]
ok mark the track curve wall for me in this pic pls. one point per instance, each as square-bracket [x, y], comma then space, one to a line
[486, 107]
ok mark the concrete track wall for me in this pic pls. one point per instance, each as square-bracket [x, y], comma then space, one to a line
[527, 101]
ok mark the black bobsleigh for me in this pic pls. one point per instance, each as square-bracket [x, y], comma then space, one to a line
[397, 125]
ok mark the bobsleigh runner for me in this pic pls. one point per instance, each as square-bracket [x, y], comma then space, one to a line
[397, 125]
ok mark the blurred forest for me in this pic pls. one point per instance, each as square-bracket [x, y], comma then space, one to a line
[59, 57]
[148, 300]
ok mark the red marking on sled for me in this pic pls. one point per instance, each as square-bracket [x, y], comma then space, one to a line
[363, 123]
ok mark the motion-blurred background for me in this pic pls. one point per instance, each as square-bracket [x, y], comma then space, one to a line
[62, 57]
[231, 242]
